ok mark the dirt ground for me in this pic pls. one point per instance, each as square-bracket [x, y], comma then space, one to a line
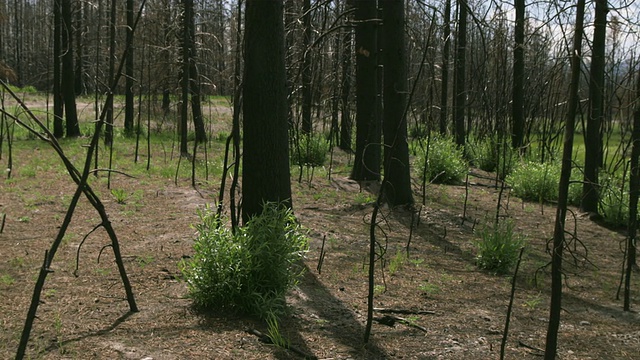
[452, 309]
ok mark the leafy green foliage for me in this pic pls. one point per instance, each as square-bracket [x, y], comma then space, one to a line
[614, 200]
[274, 334]
[445, 163]
[23, 90]
[491, 156]
[498, 248]
[249, 271]
[534, 181]
[311, 151]
[120, 195]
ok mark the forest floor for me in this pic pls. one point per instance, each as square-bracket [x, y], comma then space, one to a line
[452, 310]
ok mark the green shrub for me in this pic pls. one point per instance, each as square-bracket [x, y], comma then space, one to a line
[534, 181]
[311, 151]
[614, 200]
[249, 271]
[446, 164]
[23, 90]
[498, 248]
[488, 155]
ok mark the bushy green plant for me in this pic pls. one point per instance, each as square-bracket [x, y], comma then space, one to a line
[533, 181]
[445, 163]
[311, 151]
[498, 248]
[614, 200]
[23, 90]
[249, 271]
[491, 156]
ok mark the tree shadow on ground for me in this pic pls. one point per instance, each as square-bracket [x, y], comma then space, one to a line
[439, 230]
[315, 313]
[319, 311]
[571, 300]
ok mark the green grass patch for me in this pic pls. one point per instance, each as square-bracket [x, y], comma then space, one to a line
[533, 181]
[249, 271]
[498, 248]
[445, 163]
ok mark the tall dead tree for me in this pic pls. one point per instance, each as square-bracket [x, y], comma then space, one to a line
[68, 81]
[563, 189]
[397, 175]
[58, 102]
[368, 154]
[307, 126]
[634, 192]
[459, 75]
[265, 155]
[128, 69]
[444, 92]
[108, 105]
[346, 124]
[593, 133]
[517, 111]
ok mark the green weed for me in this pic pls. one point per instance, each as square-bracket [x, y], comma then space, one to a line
[492, 156]
[379, 290]
[397, 262]
[16, 262]
[6, 279]
[274, 334]
[364, 198]
[312, 151]
[144, 260]
[532, 302]
[445, 163]
[249, 271]
[498, 248]
[429, 288]
[120, 195]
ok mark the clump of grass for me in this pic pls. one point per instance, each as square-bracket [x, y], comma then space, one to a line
[397, 262]
[311, 151]
[445, 163]
[536, 181]
[120, 195]
[614, 200]
[492, 156]
[498, 248]
[249, 271]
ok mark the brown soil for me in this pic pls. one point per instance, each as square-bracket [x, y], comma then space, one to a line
[460, 310]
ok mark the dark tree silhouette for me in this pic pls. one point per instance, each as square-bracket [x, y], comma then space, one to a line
[80, 31]
[444, 92]
[58, 102]
[108, 129]
[128, 69]
[346, 124]
[563, 190]
[397, 176]
[459, 74]
[194, 76]
[68, 72]
[593, 133]
[634, 192]
[517, 135]
[307, 126]
[265, 169]
[368, 127]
